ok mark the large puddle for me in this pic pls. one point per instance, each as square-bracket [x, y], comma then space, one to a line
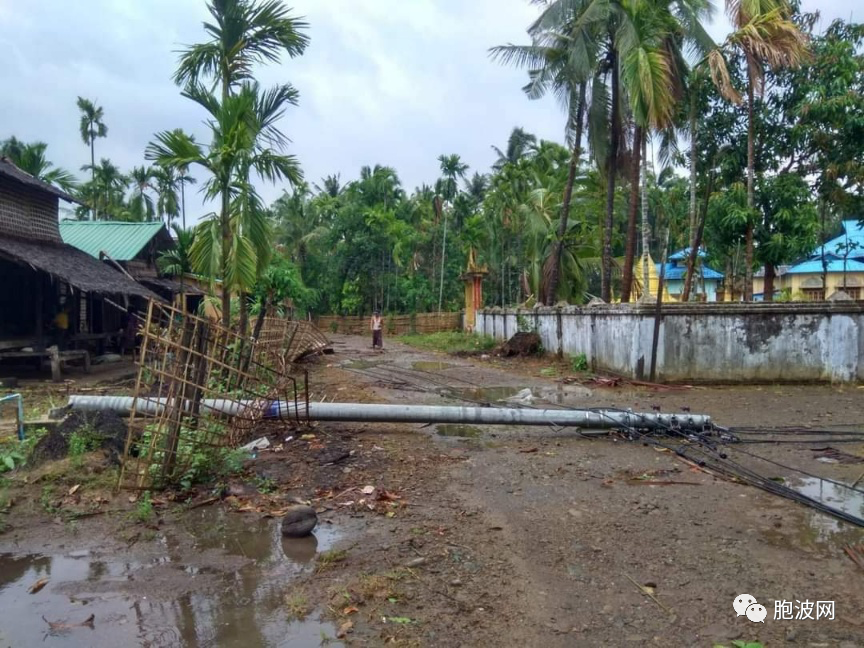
[829, 529]
[220, 579]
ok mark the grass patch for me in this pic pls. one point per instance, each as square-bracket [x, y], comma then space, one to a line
[330, 559]
[297, 606]
[450, 342]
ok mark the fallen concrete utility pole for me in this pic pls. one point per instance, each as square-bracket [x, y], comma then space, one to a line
[364, 412]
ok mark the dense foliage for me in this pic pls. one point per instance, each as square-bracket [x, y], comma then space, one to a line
[751, 147]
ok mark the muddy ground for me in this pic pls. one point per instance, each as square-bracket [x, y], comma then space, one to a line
[443, 536]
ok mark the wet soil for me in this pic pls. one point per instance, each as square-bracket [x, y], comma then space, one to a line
[448, 536]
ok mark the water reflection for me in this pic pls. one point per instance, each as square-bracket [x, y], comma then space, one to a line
[825, 527]
[219, 580]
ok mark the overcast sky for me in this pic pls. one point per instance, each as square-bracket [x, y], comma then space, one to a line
[395, 82]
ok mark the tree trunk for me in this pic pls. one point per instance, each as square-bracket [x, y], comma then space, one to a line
[768, 289]
[611, 167]
[694, 247]
[183, 198]
[243, 325]
[93, 213]
[748, 250]
[646, 226]
[259, 323]
[226, 247]
[632, 212]
[555, 275]
[824, 261]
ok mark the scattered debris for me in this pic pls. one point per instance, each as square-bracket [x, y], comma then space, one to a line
[522, 396]
[38, 585]
[367, 490]
[618, 381]
[299, 521]
[344, 629]
[62, 626]
[856, 553]
[832, 455]
[649, 592]
[259, 444]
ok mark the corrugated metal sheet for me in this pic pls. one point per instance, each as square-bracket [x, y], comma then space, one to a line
[121, 241]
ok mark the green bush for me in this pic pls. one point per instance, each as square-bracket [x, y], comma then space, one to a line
[579, 362]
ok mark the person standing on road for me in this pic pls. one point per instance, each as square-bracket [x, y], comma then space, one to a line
[376, 326]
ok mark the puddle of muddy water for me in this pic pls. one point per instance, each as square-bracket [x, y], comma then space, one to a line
[461, 431]
[482, 394]
[825, 528]
[361, 364]
[429, 365]
[219, 580]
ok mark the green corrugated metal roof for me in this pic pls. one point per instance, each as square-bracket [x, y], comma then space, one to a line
[121, 241]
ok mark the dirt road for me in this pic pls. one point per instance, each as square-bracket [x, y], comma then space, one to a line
[448, 536]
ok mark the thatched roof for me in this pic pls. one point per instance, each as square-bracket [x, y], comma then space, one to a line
[71, 265]
[173, 285]
[8, 169]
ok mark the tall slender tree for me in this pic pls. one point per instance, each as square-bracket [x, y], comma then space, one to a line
[234, 243]
[91, 127]
[766, 35]
[452, 169]
[243, 34]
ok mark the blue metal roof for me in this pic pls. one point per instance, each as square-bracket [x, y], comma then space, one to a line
[853, 233]
[685, 253]
[814, 266]
[675, 272]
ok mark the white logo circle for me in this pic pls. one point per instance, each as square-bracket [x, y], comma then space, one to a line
[756, 613]
[741, 602]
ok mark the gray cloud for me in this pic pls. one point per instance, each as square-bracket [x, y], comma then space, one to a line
[384, 81]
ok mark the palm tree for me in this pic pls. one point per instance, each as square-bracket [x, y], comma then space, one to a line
[91, 127]
[634, 53]
[243, 34]
[177, 261]
[519, 144]
[140, 202]
[105, 193]
[232, 243]
[168, 184]
[560, 60]
[31, 159]
[452, 168]
[765, 34]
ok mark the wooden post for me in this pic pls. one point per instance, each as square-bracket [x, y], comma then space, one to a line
[55, 363]
[658, 312]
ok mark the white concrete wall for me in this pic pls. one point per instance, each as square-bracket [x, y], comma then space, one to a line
[702, 342]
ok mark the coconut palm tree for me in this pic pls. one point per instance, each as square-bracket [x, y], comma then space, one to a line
[636, 46]
[31, 159]
[519, 144]
[560, 60]
[140, 207]
[765, 34]
[233, 242]
[91, 127]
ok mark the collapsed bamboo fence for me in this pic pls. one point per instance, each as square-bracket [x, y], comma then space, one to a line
[172, 438]
[421, 323]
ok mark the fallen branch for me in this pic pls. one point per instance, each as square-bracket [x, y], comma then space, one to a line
[649, 595]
